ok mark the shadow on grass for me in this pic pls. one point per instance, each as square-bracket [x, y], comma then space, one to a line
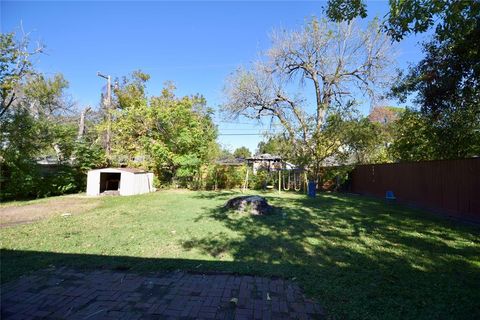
[362, 258]
[359, 257]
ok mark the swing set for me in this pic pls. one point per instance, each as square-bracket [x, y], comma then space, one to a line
[291, 179]
[284, 179]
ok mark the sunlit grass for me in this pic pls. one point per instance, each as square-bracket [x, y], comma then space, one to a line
[361, 258]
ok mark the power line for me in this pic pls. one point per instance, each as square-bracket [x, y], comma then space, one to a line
[252, 124]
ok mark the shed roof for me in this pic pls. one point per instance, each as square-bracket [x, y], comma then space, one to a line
[130, 170]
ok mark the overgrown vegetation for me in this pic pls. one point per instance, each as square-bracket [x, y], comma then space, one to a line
[175, 137]
[38, 120]
[172, 136]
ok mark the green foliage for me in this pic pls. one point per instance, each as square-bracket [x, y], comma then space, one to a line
[37, 181]
[132, 91]
[276, 145]
[337, 175]
[174, 136]
[242, 152]
[406, 17]
[46, 94]
[367, 140]
[226, 177]
[445, 83]
[446, 86]
[340, 10]
[13, 171]
[260, 180]
[348, 137]
[417, 138]
[88, 156]
[63, 179]
[224, 154]
[413, 138]
[36, 123]
[15, 66]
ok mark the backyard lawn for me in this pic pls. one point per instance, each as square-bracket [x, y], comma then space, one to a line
[359, 257]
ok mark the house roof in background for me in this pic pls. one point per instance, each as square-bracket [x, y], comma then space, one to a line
[265, 156]
[231, 162]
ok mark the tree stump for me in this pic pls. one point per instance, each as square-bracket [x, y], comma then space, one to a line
[255, 205]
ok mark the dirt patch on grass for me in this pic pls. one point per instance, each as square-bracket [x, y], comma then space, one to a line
[20, 214]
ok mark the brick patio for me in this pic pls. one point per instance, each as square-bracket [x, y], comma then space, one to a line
[102, 294]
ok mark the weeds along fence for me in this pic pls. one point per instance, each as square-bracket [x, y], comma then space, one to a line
[449, 187]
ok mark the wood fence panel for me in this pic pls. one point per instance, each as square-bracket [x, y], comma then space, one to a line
[448, 186]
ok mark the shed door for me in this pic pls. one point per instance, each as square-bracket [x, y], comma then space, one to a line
[109, 181]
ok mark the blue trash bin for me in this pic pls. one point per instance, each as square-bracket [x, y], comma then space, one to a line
[312, 189]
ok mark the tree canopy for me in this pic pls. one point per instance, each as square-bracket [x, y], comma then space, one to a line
[406, 17]
[341, 62]
[242, 152]
[15, 66]
[173, 136]
[444, 86]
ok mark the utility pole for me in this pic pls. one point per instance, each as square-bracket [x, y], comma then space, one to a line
[108, 102]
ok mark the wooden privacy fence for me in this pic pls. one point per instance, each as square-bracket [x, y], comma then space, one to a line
[447, 186]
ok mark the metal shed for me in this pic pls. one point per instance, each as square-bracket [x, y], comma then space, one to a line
[121, 181]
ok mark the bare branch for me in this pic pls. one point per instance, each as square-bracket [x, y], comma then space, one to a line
[340, 61]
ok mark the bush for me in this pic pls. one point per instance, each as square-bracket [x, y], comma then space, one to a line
[225, 177]
[259, 180]
[23, 178]
[19, 179]
[335, 177]
[26, 179]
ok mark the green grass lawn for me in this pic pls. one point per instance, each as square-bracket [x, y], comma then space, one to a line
[361, 258]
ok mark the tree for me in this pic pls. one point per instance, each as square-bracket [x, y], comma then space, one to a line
[276, 145]
[172, 136]
[15, 66]
[413, 138]
[186, 134]
[44, 109]
[340, 61]
[129, 118]
[37, 119]
[445, 83]
[406, 17]
[39, 122]
[385, 115]
[223, 153]
[242, 152]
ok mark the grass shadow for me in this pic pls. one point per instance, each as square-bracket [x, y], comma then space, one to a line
[360, 256]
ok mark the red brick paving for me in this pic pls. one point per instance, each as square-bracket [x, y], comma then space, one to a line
[102, 294]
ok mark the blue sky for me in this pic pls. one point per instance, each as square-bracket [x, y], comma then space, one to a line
[194, 44]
